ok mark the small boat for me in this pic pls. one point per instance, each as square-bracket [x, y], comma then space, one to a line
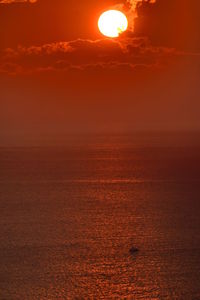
[133, 250]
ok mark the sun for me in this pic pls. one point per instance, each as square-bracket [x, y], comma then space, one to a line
[112, 23]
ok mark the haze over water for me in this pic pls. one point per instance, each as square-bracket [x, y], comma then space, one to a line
[69, 216]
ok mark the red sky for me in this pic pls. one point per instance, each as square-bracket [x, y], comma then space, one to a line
[58, 72]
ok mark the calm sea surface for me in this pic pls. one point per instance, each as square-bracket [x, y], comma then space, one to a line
[68, 218]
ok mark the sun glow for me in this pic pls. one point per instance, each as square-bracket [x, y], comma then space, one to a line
[112, 23]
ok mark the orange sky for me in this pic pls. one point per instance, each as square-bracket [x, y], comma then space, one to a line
[58, 71]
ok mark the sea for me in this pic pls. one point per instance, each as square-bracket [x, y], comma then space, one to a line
[71, 210]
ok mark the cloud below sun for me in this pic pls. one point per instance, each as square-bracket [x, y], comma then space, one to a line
[80, 54]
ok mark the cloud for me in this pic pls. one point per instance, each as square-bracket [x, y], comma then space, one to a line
[133, 4]
[81, 54]
[130, 8]
[16, 1]
[170, 23]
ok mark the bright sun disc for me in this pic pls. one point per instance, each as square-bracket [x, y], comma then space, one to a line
[112, 23]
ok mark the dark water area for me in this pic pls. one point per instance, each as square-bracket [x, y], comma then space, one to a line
[69, 216]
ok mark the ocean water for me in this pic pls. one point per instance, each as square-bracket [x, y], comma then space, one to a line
[70, 216]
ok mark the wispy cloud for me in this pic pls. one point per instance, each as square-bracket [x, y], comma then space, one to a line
[132, 13]
[16, 1]
[133, 3]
